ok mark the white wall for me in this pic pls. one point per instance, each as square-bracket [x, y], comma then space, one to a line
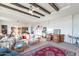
[11, 24]
[76, 25]
[65, 24]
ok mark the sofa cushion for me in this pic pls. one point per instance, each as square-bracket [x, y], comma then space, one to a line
[4, 50]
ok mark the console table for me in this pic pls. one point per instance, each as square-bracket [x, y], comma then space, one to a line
[58, 37]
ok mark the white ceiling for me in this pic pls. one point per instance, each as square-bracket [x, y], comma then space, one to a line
[13, 16]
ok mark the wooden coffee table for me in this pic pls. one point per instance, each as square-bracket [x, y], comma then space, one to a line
[21, 49]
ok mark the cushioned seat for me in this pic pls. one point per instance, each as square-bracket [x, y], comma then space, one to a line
[14, 53]
[3, 50]
[8, 52]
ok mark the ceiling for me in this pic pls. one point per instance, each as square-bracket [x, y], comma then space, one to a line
[19, 12]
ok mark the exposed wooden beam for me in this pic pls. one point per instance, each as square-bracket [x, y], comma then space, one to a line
[36, 5]
[54, 6]
[18, 10]
[24, 7]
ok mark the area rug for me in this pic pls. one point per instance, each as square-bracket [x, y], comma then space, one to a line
[48, 50]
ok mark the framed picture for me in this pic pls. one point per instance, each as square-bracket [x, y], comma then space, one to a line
[24, 29]
[57, 31]
[4, 29]
[44, 29]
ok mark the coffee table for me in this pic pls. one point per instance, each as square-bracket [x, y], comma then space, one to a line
[21, 49]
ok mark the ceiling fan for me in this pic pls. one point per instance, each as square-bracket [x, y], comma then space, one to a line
[32, 9]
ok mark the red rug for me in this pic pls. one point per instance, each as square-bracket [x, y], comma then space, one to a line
[48, 50]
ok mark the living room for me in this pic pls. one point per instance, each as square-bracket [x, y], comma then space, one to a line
[26, 31]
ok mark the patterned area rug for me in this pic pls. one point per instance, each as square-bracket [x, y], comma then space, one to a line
[49, 50]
